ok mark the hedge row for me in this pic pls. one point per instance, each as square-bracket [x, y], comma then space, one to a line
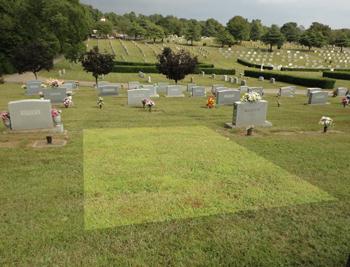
[293, 79]
[216, 71]
[135, 69]
[337, 75]
[311, 69]
[153, 69]
[253, 65]
[125, 63]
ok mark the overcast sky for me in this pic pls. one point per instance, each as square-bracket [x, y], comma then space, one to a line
[335, 13]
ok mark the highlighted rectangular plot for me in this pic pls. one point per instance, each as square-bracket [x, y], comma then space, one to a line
[142, 175]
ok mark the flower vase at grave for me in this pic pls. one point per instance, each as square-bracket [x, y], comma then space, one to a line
[250, 131]
[49, 140]
[57, 119]
[325, 128]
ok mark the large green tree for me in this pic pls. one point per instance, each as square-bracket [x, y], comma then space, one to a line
[341, 39]
[34, 57]
[291, 32]
[239, 27]
[97, 63]
[311, 38]
[256, 30]
[211, 28]
[273, 37]
[193, 31]
[225, 38]
[176, 66]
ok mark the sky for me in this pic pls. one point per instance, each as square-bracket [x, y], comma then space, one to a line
[335, 13]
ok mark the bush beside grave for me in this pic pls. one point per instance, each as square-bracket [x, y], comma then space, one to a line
[337, 75]
[153, 69]
[128, 63]
[310, 69]
[293, 79]
[135, 69]
[253, 65]
[216, 71]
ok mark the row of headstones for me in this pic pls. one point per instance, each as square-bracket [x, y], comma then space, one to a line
[317, 96]
[56, 94]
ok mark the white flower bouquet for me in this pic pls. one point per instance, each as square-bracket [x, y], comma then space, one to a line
[326, 122]
[251, 97]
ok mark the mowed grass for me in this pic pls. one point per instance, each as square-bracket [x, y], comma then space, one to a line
[143, 175]
[42, 215]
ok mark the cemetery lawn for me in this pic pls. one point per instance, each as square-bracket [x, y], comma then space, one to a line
[291, 208]
[142, 175]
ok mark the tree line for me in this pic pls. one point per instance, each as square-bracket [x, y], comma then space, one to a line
[33, 32]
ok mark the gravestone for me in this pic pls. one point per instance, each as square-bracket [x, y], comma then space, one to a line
[141, 75]
[310, 90]
[55, 95]
[341, 91]
[133, 85]
[273, 80]
[261, 78]
[174, 91]
[258, 90]
[162, 87]
[215, 86]
[30, 114]
[288, 91]
[243, 83]
[318, 98]
[109, 90]
[70, 85]
[227, 97]
[102, 84]
[33, 87]
[135, 97]
[189, 87]
[247, 114]
[225, 78]
[243, 89]
[152, 88]
[198, 91]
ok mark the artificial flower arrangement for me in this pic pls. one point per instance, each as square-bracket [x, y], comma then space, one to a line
[211, 102]
[68, 101]
[326, 122]
[345, 101]
[56, 116]
[41, 95]
[100, 102]
[54, 82]
[148, 103]
[5, 116]
[251, 97]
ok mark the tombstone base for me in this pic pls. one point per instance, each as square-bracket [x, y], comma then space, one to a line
[175, 96]
[318, 104]
[154, 96]
[233, 126]
[55, 130]
[44, 144]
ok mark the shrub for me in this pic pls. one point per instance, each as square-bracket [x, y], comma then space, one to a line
[253, 65]
[293, 79]
[135, 69]
[216, 71]
[337, 75]
[123, 63]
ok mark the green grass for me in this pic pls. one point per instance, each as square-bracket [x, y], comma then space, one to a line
[42, 215]
[142, 175]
